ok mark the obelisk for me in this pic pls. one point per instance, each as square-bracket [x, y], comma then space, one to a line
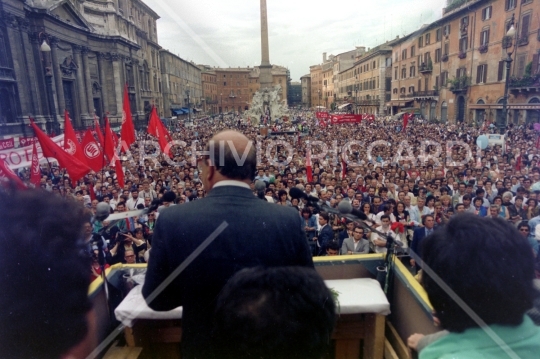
[265, 76]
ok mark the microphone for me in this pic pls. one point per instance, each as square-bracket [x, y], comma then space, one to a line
[345, 207]
[102, 211]
[260, 186]
[297, 193]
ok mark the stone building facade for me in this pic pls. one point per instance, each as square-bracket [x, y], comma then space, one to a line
[180, 77]
[454, 69]
[57, 55]
[210, 92]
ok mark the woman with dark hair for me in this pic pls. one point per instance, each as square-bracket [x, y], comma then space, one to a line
[496, 293]
[532, 208]
[430, 203]
[371, 217]
[282, 198]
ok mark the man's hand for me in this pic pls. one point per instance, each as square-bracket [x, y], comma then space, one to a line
[412, 341]
[315, 239]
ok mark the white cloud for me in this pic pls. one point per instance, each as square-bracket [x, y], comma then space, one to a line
[227, 33]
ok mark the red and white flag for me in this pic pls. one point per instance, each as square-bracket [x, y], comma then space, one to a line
[128, 130]
[35, 173]
[98, 131]
[7, 175]
[309, 168]
[157, 129]
[75, 168]
[71, 143]
[92, 151]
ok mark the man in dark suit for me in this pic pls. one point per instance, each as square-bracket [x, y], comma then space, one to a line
[418, 236]
[325, 234]
[257, 234]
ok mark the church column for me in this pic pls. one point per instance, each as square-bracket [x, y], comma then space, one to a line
[102, 81]
[58, 77]
[88, 81]
[83, 103]
[117, 82]
[18, 40]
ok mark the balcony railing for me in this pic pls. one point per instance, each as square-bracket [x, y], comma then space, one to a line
[462, 54]
[525, 83]
[523, 40]
[483, 48]
[444, 58]
[433, 93]
[423, 68]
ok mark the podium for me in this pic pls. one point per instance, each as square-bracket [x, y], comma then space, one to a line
[361, 319]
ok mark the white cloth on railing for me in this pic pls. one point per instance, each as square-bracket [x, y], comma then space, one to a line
[355, 296]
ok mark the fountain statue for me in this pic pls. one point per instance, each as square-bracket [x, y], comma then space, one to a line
[266, 103]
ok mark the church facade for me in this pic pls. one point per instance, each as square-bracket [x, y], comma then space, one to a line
[76, 56]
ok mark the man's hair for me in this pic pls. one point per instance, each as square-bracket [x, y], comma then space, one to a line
[282, 312]
[466, 255]
[45, 274]
[227, 164]
[333, 245]
[325, 216]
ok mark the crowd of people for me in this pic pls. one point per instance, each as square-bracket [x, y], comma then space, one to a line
[387, 186]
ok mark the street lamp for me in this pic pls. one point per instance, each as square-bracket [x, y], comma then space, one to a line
[45, 48]
[502, 120]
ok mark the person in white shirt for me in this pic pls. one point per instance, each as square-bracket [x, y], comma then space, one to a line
[134, 200]
[379, 241]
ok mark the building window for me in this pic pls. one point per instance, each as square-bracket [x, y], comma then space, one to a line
[524, 33]
[484, 37]
[446, 48]
[444, 78]
[395, 91]
[438, 34]
[461, 72]
[420, 42]
[463, 44]
[486, 13]
[510, 5]
[224, 84]
[428, 39]
[446, 30]
[403, 54]
[413, 71]
[413, 51]
[436, 82]
[403, 73]
[427, 58]
[395, 73]
[437, 55]
[481, 74]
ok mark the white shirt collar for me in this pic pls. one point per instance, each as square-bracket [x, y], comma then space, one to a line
[231, 183]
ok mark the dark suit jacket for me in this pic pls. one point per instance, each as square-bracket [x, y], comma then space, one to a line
[325, 236]
[258, 234]
[418, 236]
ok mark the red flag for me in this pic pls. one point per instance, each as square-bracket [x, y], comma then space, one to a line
[405, 121]
[157, 129]
[108, 143]
[71, 144]
[35, 173]
[75, 168]
[119, 172]
[128, 130]
[98, 130]
[91, 191]
[7, 175]
[92, 152]
[309, 169]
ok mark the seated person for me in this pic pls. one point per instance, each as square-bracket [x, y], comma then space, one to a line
[281, 312]
[332, 249]
[44, 307]
[357, 244]
[498, 292]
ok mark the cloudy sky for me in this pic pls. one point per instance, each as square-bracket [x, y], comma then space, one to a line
[227, 32]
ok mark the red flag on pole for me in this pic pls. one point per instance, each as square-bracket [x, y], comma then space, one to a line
[7, 175]
[98, 130]
[91, 191]
[71, 144]
[309, 168]
[92, 152]
[35, 173]
[75, 168]
[157, 129]
[405, 121]
[108, 143]
[119, 172]
[128, 130]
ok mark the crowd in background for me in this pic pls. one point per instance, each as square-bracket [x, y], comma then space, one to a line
[388, 189]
